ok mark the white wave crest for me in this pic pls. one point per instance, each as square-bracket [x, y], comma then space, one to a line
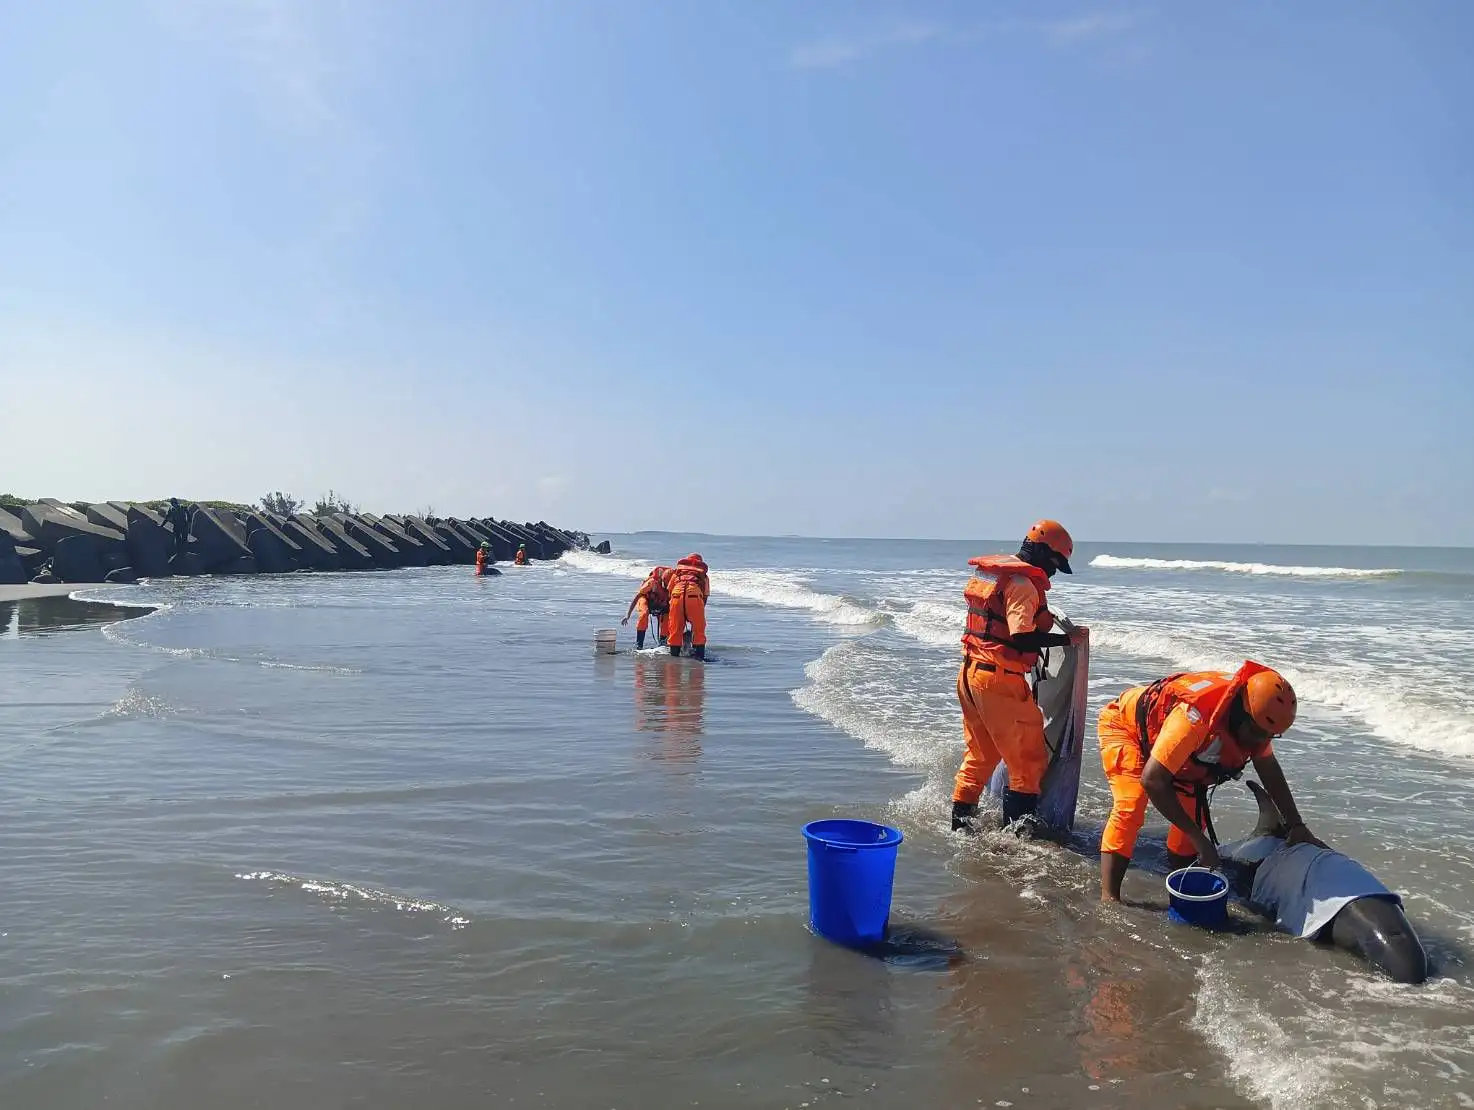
[933, 622]
[1391, 706]
[121, 603]
[606, 564]
[1123, 562]
[847, 688]
[343, 892]
[790, 592]
[786, 591]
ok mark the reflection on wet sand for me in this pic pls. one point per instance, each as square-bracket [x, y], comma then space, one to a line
[670, 699]
[39, 616]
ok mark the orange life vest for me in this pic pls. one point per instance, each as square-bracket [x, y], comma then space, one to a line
[521, 559]
[986, 639]
[480, 559]
[1208, 694]
[656, 590]
[687, 574]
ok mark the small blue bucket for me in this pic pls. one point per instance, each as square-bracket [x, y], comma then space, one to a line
[1198, 896]
[852, 867]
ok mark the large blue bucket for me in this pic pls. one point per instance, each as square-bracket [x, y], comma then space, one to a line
[1198, 896]
[852, 867]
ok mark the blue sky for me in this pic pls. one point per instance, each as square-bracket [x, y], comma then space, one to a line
[1185, 272]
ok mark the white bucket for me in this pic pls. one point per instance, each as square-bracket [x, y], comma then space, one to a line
[604, 641]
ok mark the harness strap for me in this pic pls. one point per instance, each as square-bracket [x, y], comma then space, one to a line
[987, 635]
[1144, 706]
[1205, 804]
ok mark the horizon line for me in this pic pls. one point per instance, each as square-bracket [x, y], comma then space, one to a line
[1093, 543]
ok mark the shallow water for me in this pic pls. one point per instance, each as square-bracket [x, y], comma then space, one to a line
[374, 839]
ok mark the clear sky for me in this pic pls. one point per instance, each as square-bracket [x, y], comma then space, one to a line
[1198, 271]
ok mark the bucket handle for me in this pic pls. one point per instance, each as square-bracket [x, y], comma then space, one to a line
[848, 848]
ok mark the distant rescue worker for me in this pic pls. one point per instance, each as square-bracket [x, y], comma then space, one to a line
[521, 559]
[1008, 624]
[690, 587]
[177, 517]
[483, 557]
[651, 601]
[1172, 741]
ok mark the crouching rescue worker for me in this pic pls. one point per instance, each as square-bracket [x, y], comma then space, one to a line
[521, 559]
[690, 586]
[1173, 740]
[1008, 624]
[651, 601]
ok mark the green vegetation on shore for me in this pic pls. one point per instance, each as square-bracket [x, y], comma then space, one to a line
[282, 504]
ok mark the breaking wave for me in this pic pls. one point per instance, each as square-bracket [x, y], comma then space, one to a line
[766, 587]
[1392, 707]
[1123, 562]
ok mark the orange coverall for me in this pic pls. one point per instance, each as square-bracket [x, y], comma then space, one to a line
[1000, 719]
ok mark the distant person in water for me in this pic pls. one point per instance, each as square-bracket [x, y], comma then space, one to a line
[483, 557]
[521, 559]
[177, 517]
[690, 587]
[1008, 624]
[1173, 740]
[652, 601]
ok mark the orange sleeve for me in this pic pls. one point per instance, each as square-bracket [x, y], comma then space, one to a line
[1183, 732]
[1021, 602]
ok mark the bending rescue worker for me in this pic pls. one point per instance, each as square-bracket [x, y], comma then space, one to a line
[1173, 740]
[690, 586]
[651, 600]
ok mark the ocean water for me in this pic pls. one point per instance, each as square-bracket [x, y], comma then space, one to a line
[379, 840]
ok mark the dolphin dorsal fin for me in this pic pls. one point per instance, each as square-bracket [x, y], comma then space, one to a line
[1270, 822]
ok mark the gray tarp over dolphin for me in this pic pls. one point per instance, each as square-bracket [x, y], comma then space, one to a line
[1320, 894]
[1060, 688]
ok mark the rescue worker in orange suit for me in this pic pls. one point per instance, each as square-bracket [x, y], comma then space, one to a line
[1008, 625]
[690, 586]
[1170, 741]
[521, 559]
[483, 557]
[652, 599]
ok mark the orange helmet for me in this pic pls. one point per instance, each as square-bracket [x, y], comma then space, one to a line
[1270, 702]
[1052, 534]
[694, 560]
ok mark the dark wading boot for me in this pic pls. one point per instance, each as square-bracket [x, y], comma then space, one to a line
[699, 652]
[639, 639]
[1018, 814]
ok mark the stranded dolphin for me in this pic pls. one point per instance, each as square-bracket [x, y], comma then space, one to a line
[1319, 894]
